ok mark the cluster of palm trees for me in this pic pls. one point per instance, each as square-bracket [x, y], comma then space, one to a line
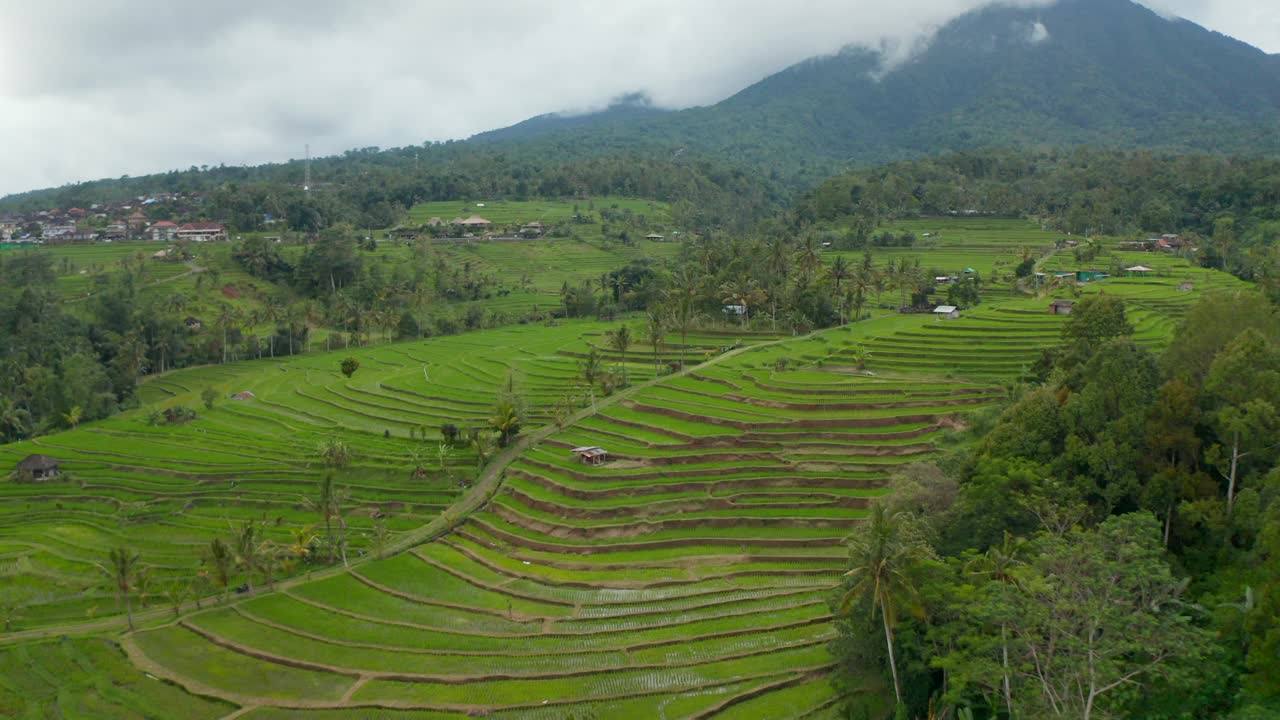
[295, 319]
[248, 550]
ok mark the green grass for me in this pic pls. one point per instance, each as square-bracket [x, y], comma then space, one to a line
[90, 678]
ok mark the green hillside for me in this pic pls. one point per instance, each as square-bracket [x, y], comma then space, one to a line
[691, 574]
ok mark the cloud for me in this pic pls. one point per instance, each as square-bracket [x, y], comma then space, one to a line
[136, 86]
[1037, 33]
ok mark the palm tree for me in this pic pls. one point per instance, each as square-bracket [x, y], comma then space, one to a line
[15, 420]
[300, 540]
[328, 502]
[807, 258]
[483, 445]
[247, 549]
[881, 555]
[335, 452]
[656, 332]
[123, 571]
[220, 557]
[506, 421]
[272, 313]
[271, 556]
[839, 272]
[620, 340]
[228, 315]
[590, 367]
[72, 416]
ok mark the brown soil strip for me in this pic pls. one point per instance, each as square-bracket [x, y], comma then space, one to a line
[707, 559]
[802, 423]
[815, 620]
[630, 585]
[452, 679]
[641, 528]
[708, 486]
[521, 541]
[671, 507]
[419, 600]
[757, 692]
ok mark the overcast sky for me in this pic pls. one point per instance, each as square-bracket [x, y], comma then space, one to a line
[102, 88]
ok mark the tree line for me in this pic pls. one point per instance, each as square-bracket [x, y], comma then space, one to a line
[1106, 547]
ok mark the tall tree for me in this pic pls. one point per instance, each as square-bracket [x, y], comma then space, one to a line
[1244, 386]
[123, 568]
[883, 553]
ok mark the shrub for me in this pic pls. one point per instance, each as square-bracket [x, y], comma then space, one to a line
[350, 366]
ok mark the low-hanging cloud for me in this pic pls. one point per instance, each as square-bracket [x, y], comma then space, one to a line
[132, 86]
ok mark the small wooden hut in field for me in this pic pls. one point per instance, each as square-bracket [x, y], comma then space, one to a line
[946, 312]
[591, 455]
[1061, 307]
[38, 468]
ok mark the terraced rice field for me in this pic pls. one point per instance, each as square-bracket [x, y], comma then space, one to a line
[166, 490]
[91, 679]
[688, 577]
[510, 212]
[991, 246]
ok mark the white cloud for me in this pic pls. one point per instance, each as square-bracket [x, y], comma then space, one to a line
[132, 86]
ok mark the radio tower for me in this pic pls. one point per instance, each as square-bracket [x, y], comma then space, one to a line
[306, 175]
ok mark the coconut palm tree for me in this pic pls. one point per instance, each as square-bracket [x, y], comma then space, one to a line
[882, 554]
[271, 557]
[123, 568]
[591, 368]
[620, 340]
[228, 315]
[272, 313]
[328, 502]
[72, 416]
[219, 556]
[247, 548]
[483, 446]
[15, 420]
[656, 333]
[506, 422]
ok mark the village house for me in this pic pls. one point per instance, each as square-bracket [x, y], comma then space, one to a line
[532, 230]
[946, 312]
[114, 231]
[136, 222]
[201, 232]
[1061, 307]
[655, 237]
[475, 222]
[162, 231]
[37, 468]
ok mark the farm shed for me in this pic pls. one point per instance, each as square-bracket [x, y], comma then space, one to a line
[591, 455]
[1138, 271]
[1090, 275]
[38, 467]
[1185, 286]
[1061, 307]
[654, 237]
[946, 312]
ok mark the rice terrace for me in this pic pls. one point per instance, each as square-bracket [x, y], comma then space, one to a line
[689, 574]
[934, 375]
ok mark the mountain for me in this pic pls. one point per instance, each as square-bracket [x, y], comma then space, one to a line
[1100, 72]
[1104, 73]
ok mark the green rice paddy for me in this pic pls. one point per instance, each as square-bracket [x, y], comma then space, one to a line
[690, 576]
